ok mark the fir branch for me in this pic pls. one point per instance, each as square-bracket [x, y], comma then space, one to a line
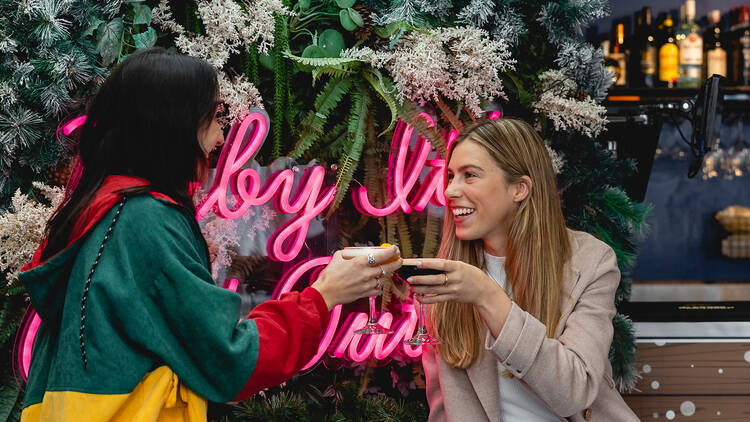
[560, 18]
[281, 81]
[622, 353]
[20, 128]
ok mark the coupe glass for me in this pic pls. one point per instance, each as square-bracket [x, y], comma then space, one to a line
[372, 327]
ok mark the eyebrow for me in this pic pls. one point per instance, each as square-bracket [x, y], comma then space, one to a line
[466, 166]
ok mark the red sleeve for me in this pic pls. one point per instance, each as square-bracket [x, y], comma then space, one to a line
[289, 331]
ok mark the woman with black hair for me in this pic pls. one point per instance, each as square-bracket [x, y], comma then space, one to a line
[133, 327]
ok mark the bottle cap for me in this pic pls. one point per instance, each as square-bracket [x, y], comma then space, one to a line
[714, 16]
[690, 9]
[744, 15]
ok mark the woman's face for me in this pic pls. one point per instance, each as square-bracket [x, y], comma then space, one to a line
[210, 134]
[482, 202]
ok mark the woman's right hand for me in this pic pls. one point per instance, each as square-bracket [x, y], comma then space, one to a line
[346, 280]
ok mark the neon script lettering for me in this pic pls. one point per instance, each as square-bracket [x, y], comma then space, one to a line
[310, 200]
[380, 346]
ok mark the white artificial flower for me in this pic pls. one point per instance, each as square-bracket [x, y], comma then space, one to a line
[22, 227]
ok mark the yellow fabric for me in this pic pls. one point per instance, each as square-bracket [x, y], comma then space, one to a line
[159, 397]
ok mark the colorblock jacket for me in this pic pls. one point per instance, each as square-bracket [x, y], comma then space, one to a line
[160, 337]
[570, 373]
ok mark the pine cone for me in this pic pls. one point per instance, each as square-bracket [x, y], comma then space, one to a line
[363, 33]
[59, 174]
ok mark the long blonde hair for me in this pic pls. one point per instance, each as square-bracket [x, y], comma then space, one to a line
[537, 244]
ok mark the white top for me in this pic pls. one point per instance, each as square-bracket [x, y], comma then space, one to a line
[517, 403]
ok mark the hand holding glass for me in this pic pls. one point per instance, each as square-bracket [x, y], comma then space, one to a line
[372, 327]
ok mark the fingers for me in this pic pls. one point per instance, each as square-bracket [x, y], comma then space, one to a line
[433, 290]
[428, 300]
[431, 263]
[427, 280]
[386, 254]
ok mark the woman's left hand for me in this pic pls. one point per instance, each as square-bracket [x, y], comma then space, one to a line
[460, 282]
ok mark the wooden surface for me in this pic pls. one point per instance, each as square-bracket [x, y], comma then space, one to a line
[699, 408]
[693, 382]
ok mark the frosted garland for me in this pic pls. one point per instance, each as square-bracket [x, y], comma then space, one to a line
[566, 113]
[22, 229]
[461, 64]
[229, 30]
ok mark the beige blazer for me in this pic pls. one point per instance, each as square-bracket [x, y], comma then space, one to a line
[570, 373]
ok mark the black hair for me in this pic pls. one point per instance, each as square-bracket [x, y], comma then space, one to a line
[143, 122]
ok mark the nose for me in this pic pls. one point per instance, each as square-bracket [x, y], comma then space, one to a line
[452, 190]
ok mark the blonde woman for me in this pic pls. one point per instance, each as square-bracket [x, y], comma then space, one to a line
[524, 308]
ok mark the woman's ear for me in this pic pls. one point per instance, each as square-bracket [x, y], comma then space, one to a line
[522, 189]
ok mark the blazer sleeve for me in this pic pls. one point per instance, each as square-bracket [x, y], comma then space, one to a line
[432, 379]
[565, 372]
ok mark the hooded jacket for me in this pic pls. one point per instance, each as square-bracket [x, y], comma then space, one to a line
[160, 337]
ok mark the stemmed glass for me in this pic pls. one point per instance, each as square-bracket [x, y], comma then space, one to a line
[372, 326]
[422, 336]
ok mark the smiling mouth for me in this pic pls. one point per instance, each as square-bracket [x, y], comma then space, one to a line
[461, 212]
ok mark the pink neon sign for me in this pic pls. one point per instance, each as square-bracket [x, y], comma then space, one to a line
[309, 201]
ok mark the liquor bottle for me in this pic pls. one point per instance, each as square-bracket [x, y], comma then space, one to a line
[647, 50]
[634, 58]
[610, 65]
[715, 54]
[669, 56]
[617, 52]
[691, 49]
[739, 47]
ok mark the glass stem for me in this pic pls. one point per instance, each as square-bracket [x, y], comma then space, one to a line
[372, 310]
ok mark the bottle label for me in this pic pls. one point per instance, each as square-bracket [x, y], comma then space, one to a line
[668, 63]
[691, 50]
[648, 61]
[716, 62]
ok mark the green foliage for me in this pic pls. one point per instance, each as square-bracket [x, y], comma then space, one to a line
[324, 395]
[312, 125]
[622, 353]
[354, 143]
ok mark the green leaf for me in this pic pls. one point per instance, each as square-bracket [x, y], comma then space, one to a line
[109, 39]
[332, 42]
[145, 39]
[345, 4]
[346, 20]
[142, 14]
[303, 4]
[356, 17]
[91, 28]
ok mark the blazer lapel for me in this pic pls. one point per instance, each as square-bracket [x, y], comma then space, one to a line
[484, 378]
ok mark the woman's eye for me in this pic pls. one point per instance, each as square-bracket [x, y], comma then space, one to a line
[449, 177]
[470, 174]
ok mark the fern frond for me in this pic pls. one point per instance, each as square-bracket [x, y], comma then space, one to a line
[332, 71]
[432, 232]
[356, 131]
[384, 87]
[313, 123]
[404, 236]
[322, 61]
[410, 115]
